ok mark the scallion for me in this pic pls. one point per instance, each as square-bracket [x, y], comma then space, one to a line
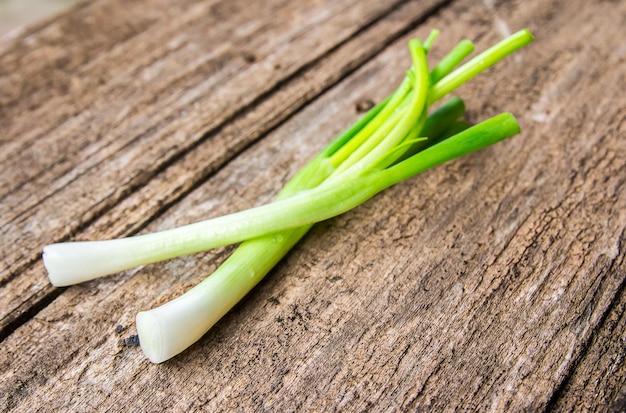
[395, 140]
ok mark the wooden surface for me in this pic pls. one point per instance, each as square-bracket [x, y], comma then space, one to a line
[494, 282]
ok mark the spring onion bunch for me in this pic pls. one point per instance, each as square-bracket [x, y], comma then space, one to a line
[397, 139]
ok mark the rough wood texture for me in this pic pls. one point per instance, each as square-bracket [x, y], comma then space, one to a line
[495, 282]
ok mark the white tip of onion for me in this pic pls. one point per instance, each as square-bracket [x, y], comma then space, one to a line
[66, 265]
[150, 337]
[168, 330]
[75, 262]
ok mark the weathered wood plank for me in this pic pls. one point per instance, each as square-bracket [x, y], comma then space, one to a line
[214, 150]
[498, 270]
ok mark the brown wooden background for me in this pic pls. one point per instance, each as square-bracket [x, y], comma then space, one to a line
[494, 282]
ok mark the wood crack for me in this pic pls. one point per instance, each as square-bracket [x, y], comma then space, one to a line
[615, 265]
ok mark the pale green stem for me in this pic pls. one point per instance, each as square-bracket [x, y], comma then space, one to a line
[372, 151]
[451, 60]
[480, 63]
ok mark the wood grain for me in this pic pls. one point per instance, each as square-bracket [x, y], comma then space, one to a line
[495, 282]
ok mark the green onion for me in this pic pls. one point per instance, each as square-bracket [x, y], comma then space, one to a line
[169, 329]
[394, 141]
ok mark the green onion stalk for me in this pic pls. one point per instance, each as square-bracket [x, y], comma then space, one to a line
[397, 139]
